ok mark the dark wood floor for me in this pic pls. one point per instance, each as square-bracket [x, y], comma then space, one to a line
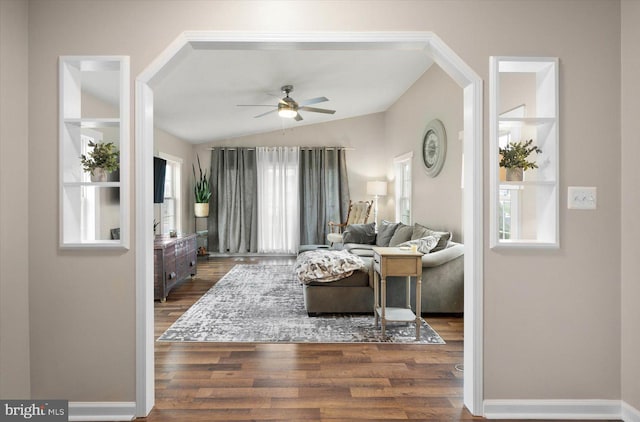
[302, 382]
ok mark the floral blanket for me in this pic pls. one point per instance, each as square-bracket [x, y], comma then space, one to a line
[324, 265]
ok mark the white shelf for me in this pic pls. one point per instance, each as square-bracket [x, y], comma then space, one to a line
[97, 244]
[534, 121]
[525, 183]
[91, 123]
[94, 184]
[397, 314]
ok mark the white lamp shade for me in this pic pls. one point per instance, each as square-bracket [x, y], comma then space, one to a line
[377, 188]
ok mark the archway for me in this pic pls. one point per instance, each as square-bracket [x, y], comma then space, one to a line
[426, 42]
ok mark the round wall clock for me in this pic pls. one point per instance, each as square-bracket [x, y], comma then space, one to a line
[434, 147]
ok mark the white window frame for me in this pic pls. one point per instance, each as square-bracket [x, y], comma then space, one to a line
[399, 162]
[178, 162]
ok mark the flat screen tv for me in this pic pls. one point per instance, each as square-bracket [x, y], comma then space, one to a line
[159, 171]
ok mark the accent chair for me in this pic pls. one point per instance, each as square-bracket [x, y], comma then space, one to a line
[358, 213]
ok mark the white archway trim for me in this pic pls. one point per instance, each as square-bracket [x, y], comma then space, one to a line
[433, 46]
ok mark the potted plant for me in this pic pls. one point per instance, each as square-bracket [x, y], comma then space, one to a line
[102, 160]
[202, 192]
[514, 158]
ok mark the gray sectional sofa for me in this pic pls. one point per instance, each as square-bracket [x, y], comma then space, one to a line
[442, 275]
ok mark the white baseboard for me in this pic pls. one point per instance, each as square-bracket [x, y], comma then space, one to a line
[552, 409]
[630, 413]
[102, 411]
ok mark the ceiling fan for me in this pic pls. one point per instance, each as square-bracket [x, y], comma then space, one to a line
[287, 107]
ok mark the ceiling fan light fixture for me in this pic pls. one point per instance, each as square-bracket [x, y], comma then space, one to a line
[287, 111]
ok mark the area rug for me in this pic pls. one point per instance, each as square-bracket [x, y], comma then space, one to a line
[264, 304]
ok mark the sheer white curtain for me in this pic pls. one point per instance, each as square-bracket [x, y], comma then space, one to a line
[278, 199]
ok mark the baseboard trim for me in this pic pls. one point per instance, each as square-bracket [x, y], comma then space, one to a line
[102, 411]
[552, 409]
[630, 413]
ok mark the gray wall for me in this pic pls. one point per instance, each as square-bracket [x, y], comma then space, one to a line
[14, 201]
[630, 203]
[437, 201]
[552, 319]
[169, 144]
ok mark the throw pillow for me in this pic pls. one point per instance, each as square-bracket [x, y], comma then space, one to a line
[425, 244]
[385, 232]
[421, 231]
[359, 233]
[402, 234]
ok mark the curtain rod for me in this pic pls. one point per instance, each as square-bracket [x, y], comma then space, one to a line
[302, 148]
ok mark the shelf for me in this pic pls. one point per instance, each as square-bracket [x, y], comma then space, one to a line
[526, 243]
[93, 123]
[98, 244]
[534, 121]
[525, 183]
[397, 314]
[94, 184]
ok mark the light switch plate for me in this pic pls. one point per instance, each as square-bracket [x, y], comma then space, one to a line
[581, 198]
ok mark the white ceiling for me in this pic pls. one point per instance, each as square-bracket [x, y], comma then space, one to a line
[197, 93]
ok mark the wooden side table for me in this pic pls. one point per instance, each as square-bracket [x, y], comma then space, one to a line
[396, 262]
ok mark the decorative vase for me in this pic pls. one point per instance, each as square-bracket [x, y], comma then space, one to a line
[515, 174]
[99, 175]
[201, 209]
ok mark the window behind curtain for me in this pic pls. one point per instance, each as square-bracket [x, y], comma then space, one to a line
[171, 215]
[402, 168]
[278, 199]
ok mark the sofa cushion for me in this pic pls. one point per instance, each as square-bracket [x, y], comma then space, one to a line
[425, 244]
[360, 233]
[385, 232]
[402, 234]
[420, 231]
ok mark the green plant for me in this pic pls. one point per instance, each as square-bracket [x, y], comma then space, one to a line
[104, 155]
[515, 155]
[202, 190]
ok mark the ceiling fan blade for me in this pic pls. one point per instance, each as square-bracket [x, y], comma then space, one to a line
[264, 114]
[298, 117]
[255, 105]
[280, 100]
[313, 101]
[317, 110]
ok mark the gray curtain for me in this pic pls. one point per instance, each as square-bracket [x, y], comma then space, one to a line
[324, 192]
[234, 201]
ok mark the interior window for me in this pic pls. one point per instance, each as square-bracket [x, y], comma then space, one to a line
[402, 167]
[170, 208]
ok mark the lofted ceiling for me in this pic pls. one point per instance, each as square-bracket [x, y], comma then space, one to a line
[197, 93]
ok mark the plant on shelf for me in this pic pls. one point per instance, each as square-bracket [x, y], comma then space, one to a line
[103, 159]
[515, 158]
[202, 191]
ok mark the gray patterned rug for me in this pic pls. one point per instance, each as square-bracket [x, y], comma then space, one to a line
[264, 303]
